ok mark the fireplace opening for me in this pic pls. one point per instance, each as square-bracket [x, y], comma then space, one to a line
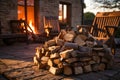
[26, 12]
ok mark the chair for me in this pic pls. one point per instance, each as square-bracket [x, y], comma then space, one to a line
[104, 27]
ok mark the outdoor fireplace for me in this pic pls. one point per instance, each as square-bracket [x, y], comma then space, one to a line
[26, 12]
[73, 53]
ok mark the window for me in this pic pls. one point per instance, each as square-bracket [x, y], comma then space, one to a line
[64, 13]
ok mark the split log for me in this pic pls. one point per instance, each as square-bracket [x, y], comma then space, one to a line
[101, 67]
[38, 53]
[87, 68]
[66, 54]
[85, 59]
[69, 36]
[91, 62]
[71, 60]
[42, 65]
[79, 40]
[54, 55]
[56, 61]
[55, 70]
[96, 59]
[59, 42]
[60, 65]
[35, 59]
[49, 43]
[67, 70]
[47, 54]
[78, 70]
[54, 49]
[104, 60]
[50, 63]
[45, 59]
[61, 34]
[101, 54]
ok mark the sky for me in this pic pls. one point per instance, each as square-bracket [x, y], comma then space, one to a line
[92, 6]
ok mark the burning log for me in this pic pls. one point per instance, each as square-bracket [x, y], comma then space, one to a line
[70, 53]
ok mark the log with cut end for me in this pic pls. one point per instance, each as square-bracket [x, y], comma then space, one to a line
[45, 59]
[56, 61]
[61, 34]
[35, 60]
[69, 36]
[55, 70]
[66, 54]
[99, 67]
[71, 60]
[50, 43]
[39, 53]
[50, 63]
[96, 59]
[85, 59]
[59, 42]
[79, 40]
[54, 49]
[78, 70]
[67, 70]
[87, 68]
[54, 55]
[42, 65]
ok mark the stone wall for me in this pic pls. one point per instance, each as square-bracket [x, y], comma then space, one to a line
[8, 11]
[51, 8]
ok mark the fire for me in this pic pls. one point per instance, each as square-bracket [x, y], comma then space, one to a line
[47, 31]
[48, 28]
[31, 26]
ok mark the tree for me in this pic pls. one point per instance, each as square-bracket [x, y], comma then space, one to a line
[88, 18]
[109, 3]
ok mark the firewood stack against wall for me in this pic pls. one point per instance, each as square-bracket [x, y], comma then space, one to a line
[73, 52]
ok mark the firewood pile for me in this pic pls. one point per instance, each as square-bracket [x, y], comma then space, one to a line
[73, 52]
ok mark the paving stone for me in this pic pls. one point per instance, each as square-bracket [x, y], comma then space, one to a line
[71, 78]
[2, 78]
[92, 76]
[109, 73]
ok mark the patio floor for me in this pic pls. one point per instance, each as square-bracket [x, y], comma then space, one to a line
[16, 63]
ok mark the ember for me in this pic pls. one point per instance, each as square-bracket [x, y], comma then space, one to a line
[73, 52]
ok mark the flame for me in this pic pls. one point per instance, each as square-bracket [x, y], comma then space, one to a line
[31, 26]
[47, 31]
[48, 28]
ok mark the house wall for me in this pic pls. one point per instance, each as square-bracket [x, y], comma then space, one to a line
[8, 11]
[51, 8]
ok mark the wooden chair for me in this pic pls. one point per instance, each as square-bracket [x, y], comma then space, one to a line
[104, 27]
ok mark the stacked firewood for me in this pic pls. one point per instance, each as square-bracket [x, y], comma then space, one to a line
[73, 52]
